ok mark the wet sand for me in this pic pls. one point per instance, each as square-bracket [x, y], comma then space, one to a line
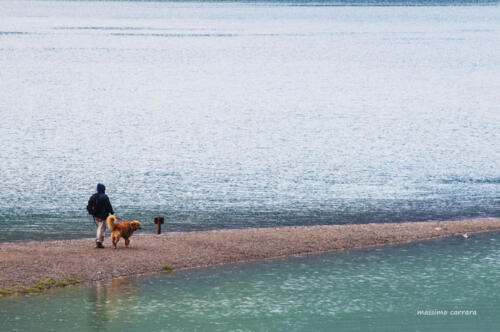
[27, 263]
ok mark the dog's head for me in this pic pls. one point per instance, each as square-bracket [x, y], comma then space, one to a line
[136, 225]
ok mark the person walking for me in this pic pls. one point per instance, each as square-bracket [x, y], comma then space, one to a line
[102, 210]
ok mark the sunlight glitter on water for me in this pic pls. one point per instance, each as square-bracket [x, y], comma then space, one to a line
[242, 115]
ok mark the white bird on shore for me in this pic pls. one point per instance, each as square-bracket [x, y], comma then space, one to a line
[465, 236]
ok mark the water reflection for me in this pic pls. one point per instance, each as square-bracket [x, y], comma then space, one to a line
[111, 302]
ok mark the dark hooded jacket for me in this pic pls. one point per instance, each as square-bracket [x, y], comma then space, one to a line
[104, 208]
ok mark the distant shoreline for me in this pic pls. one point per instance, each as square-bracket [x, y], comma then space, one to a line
[26, 264]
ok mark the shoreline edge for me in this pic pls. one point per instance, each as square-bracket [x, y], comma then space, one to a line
[38, 266]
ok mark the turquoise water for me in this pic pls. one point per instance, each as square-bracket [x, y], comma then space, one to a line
[362, 290]
[231, 115]
[243, 114]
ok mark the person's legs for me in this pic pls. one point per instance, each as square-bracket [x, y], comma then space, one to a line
[101, 230]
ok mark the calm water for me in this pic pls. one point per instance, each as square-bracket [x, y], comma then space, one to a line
[372, 290]
[231, 115]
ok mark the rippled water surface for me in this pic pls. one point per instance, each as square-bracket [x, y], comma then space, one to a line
[367, 290]
[230, 115]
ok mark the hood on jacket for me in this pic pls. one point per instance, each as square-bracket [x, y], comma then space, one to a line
[101, 188]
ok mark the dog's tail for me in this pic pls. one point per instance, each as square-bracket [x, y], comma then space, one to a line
[111, 222]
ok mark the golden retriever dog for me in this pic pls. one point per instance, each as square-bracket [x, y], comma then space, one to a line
[122, 229]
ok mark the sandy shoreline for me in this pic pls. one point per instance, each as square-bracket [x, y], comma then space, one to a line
[27, 263]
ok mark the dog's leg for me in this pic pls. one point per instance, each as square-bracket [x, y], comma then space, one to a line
[115, 241]
[127, 242]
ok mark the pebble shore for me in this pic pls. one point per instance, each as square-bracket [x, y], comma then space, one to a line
[27, 263]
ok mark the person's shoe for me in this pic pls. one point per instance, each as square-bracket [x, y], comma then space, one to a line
[99, 245]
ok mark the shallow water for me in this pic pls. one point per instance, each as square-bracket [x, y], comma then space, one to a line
[367, 290]
[231, 115]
